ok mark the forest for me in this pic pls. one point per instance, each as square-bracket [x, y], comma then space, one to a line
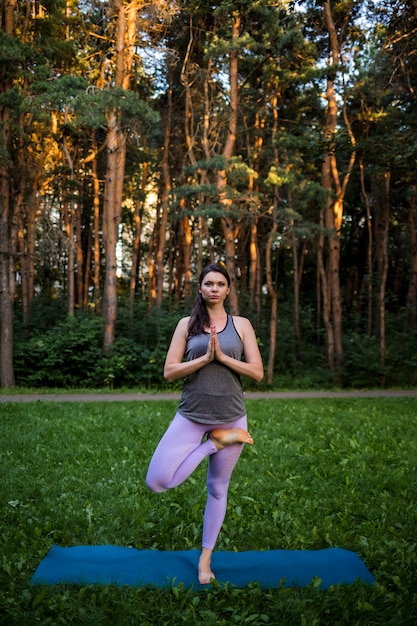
[141, 140]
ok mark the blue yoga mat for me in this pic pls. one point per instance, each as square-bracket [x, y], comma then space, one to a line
[120, 566]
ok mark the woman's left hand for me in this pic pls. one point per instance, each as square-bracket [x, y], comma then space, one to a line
[218, 352]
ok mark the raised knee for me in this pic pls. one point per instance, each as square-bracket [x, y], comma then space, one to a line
[155, 486]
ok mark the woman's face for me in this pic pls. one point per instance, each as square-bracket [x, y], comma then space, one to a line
[214, 288]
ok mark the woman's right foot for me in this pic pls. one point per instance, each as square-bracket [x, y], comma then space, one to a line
[228, 437]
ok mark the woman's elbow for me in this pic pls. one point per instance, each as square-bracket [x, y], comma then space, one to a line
[169, 375]
[168, 378]
[258, 374]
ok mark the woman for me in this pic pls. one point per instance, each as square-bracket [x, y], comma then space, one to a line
[211, 418]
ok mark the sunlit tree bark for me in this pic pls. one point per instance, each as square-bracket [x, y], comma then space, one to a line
[126, 24]
[334, 207]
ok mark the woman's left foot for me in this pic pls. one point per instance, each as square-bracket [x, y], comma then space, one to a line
[205, 575]
[223, 438]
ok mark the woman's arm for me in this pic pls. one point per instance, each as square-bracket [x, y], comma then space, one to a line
[252, 367]
[175, 367]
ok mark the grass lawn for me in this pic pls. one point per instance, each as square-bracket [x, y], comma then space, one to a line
[322, 472]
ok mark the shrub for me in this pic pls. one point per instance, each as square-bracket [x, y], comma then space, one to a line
[63, 356]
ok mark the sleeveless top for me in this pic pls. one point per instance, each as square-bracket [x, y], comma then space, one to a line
[213, 394]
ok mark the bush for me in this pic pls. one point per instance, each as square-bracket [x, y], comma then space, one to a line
[63, 356]
[70, 353]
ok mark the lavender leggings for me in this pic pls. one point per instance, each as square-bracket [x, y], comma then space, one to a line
[180, 451]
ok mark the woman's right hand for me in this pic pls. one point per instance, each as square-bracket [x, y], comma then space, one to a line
[211, 348]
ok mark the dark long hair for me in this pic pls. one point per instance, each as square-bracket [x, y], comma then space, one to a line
[199, 317]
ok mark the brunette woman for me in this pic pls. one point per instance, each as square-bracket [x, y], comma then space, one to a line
[211, 418]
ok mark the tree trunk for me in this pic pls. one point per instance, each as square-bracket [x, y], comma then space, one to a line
[410, 320]
[253, 262]
[369, 247]
[274, 301]
[87, 269]
[135, 254]
[96, 229]
[333, 212]
[323, 288]
[185, 226]
[113, 191]
[7, 286]
[185, 251]
[115, 169]
[229, 228]
[25, 228]
[382, 258]
[69, 218]
[7, 263]
[79, 276]
[296, 289]
[165, 196]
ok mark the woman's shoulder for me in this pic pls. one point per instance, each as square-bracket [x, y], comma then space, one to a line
[242, 324]
[181, 330]
[238, 319]
[183, 322]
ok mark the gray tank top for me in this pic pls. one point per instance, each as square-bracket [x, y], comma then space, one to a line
[213, 394]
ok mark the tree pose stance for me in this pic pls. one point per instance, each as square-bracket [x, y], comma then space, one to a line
[211, 417]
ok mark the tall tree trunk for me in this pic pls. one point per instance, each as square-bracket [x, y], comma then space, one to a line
[113, 191]
[185, 251]
[323, 288]
[69, 217]
[410, 320]
[253, 261]
[7, 261]
[7, 286]
[253, 227]
[69, 229]
[333, 212]
[274, 300]
[134, 270]
[136, 248]
[369, 259]
[96, 229]
[151, 259]
[381, 239]
[79, 275]
[227, 220]
[115, 168]
[268, 252]
[87, 269]
[26, 227]
[296, 290]
[185, 226]
[165, 198]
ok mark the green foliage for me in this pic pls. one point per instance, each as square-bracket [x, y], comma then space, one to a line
[91, 107]
[69, 353]
[60, 352]
[322, 473]
[62, 356]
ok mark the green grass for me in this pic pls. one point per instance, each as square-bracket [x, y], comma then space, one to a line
[330, 472]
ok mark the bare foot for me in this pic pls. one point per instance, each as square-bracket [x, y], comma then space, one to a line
[223, 438]
[205, 575]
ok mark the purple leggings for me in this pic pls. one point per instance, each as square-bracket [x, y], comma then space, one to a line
[180, 451]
